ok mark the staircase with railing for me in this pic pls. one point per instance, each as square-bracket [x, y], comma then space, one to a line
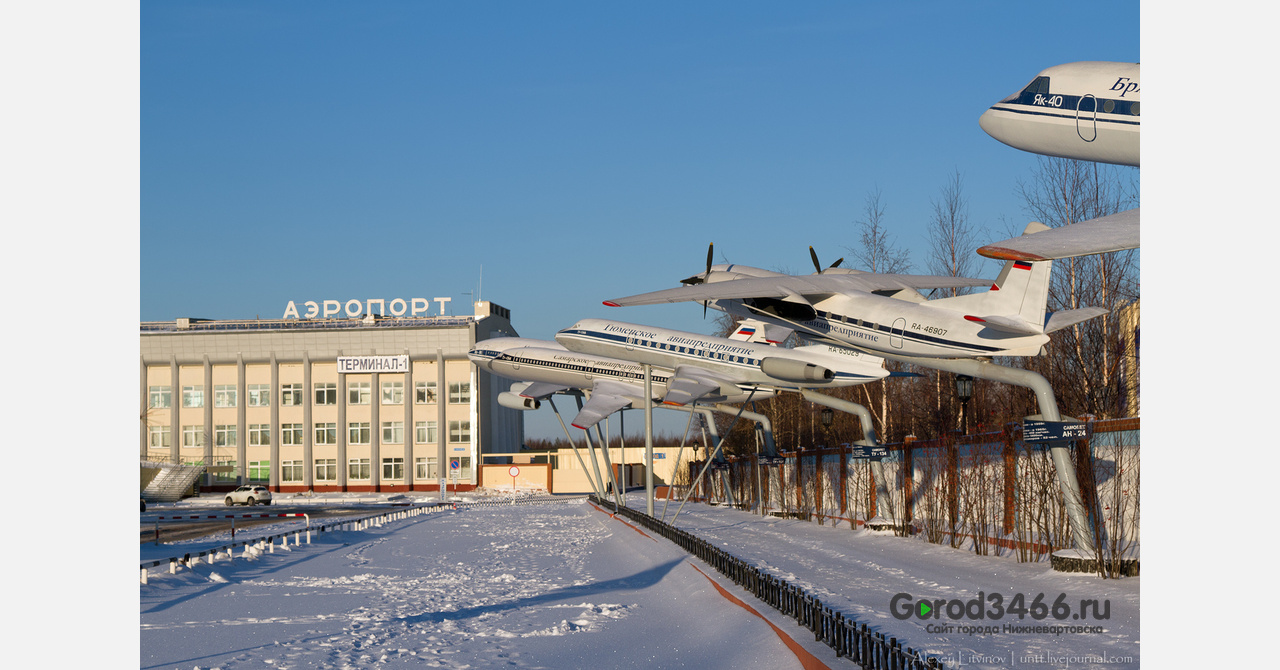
[171, 483]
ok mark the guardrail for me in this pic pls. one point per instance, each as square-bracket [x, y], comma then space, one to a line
[849, 639]
[256, 546]
[267, 544]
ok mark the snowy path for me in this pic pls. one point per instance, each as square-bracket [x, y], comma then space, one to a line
[542, 586]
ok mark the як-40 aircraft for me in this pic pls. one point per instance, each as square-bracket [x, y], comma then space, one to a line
[688, 367]
[884, 314]
[1086, 111]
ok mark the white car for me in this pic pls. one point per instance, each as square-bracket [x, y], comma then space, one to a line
[249, 495]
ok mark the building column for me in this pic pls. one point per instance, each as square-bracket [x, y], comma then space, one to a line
[175, 411]
[375, 432]
[409, 430]
[208, 430]
[442, 424]
[273, 464]
[242, 434]
[308, 429]
[342, 430]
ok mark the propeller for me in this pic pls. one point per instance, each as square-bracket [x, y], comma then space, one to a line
[818, 266]
[710, 250]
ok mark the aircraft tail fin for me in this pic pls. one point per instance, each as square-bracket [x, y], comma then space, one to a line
[1017, 299]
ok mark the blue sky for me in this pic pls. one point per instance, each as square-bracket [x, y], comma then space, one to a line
[552, 155]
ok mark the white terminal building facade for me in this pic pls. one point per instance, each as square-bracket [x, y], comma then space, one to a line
[330, 397]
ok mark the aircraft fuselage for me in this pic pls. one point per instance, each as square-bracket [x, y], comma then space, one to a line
[899, 327]
[1089, 110]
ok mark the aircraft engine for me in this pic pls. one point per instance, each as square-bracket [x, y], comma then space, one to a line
[516, 401]
[791, 370]
[785, 308]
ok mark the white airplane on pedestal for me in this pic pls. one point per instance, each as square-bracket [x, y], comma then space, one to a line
[702, 372]
[1087, 111]
[883, 314]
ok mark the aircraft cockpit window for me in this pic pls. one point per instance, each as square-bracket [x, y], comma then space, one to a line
[1038, 85]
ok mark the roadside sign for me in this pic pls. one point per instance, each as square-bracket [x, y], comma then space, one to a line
[870, 453]
[514, 471]
[1053, 431]
[454, 464]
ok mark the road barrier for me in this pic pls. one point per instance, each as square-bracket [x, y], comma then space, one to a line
[849, 639]
[256, 546]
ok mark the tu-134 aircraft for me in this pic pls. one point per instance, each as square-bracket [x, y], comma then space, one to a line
[1086, 111]
[885, 314]
[605, 357]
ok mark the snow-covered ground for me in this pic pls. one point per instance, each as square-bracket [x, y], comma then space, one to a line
[565, 585]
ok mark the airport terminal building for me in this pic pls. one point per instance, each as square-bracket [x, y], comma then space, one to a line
[326, 400]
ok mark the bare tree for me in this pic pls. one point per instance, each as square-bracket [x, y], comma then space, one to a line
[876, 251]
[952, 238]
[1086, 360]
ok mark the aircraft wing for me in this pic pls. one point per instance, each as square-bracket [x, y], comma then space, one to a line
[689, 383]
[539, 390]
[606, 398]
[789, 286]
[1117, 232]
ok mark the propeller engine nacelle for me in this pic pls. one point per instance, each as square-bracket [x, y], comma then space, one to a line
[517, 401]
[791, 310]
[791, 370]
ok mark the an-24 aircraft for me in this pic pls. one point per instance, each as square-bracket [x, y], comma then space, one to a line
[883, 314]
[688, 367]
[1087, 111]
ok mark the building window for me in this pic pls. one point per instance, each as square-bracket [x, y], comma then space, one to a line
[424, 468]
[358, 433]
[291, 471]
[459, 431]
[225, 435]
[326, 393]
[259, 470]
[259, 395]
[192, 436]
[158, 437]
[424, 393]
[393, 393]
[225, 475]
[358, 393]
[291, 395]
[393, 468]
[291, 434]
[393, 432]
[159, 397]
[193, 396]
[224, 395]
[358, 468]
[326, 469]
[459, 393]
[259, 434]
[326, 433]
[425, 432]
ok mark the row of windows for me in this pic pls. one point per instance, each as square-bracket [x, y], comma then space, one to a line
[325, 393]
[291, 434]
[358, 469]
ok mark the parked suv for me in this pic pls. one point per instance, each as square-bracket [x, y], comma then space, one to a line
[249, 495]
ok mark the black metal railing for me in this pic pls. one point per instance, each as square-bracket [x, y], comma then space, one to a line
[852, 640]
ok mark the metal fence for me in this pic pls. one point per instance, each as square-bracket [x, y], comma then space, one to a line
[852, 640]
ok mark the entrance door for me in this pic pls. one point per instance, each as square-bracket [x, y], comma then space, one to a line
[895, 333]
[1087, 118]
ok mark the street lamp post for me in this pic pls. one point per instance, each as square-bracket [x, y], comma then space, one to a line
[964, 391]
